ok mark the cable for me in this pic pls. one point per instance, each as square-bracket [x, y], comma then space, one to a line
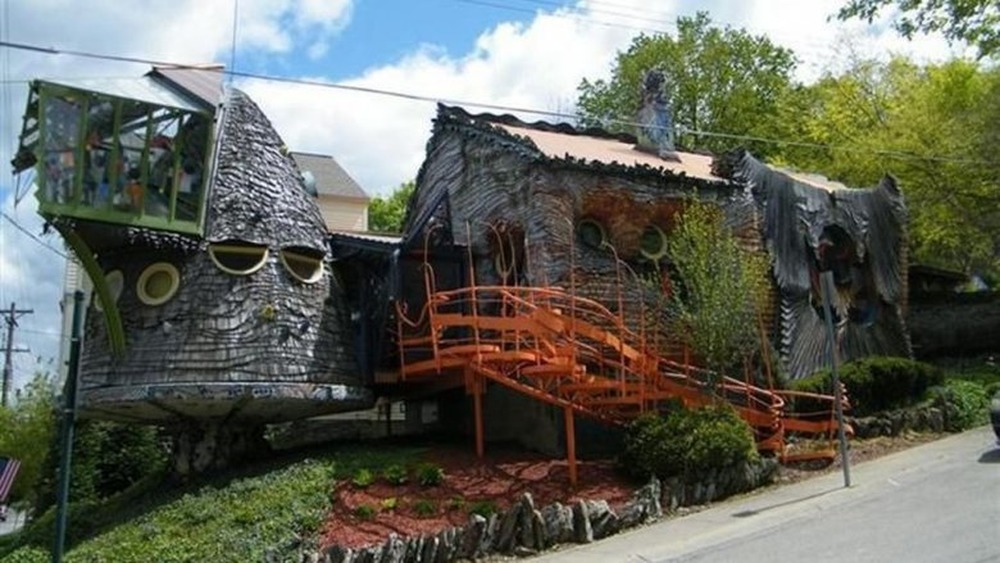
[30, 235]
[491, 106]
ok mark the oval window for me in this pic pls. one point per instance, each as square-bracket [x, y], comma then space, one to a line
[116, 283]
[304, 264]
[158, 283]
[592, 233]
[238, 257]
[653, 244]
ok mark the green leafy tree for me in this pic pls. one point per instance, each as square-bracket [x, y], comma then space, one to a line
[933, 128]
[720, 80]
[26, 430]
[386, 214]
[108, 457]
[724, 288]
[976, 22]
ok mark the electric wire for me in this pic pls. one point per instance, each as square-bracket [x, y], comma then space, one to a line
[31, 235]
[571, 117]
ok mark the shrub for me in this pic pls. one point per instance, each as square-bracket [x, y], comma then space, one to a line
[28, 554]
[363, 478]
[965, 403]
[456, 503]
[395, 474]
[686, 442]
[873, 384]
[484, 508]
[365, 512]
[389, 503]
[429, 474]
[424, 507]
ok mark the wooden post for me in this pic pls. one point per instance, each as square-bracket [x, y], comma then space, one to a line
[477, 403]
[570, 444]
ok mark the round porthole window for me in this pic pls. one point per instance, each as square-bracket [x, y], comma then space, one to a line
[592, 233]
[238, 257]
[116, 283]
[653, 244]
[304, 264]
[158, 283]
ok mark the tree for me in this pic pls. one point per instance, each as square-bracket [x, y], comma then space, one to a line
[385, 215]
[976, 22]
[719, 81]
[724, 288]
[26, 430]
[932, 128]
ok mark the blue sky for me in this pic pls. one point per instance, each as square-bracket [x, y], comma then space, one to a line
[526, 53]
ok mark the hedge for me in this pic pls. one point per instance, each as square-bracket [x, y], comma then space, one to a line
[874, 384]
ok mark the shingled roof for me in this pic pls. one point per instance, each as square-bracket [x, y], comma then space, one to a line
[331, 178]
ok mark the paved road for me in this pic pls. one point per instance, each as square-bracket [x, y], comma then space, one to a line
[937, 502]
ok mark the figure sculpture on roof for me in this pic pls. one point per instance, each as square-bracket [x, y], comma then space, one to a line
[655, 119]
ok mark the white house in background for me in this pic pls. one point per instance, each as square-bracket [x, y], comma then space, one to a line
[74, 278]
[342, 202]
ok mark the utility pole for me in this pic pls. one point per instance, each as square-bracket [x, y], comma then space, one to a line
[8, 365]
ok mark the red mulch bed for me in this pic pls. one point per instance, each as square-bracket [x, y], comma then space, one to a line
[499, 478]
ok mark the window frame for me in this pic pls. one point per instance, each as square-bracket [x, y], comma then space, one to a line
[147, 273]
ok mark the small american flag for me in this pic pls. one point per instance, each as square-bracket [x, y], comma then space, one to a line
[8, 471]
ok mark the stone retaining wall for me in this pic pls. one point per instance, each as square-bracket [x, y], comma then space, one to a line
[526, 530]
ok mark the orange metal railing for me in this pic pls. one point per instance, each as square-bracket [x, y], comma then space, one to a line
[574, 353]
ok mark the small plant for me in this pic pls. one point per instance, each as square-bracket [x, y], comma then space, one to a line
[365, 512]
[424, 507]
[429, 474]
[363, 478]
[456, 503]
[395, 474]
[389, 503]
[484, 508]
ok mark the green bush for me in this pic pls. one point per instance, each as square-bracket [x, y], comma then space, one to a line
[108, 457]
[390, 503]
[873, 384]
[363, 478]
[484, 508]
[429, 474]
[28, 554]
[395, 474]
[365, 512]
[424, 507]
[965, 404]
[686, 442]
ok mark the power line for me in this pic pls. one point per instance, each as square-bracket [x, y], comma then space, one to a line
[10, 317]
[31, 235]
[902, 155]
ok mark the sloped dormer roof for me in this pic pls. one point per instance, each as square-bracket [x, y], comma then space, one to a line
[331, 178]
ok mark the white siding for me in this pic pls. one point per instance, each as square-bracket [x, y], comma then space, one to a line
[74, 278]
[344, 214]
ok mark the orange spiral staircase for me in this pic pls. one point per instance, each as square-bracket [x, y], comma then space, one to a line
[574, 353]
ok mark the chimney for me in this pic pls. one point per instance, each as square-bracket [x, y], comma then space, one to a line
[655, 119]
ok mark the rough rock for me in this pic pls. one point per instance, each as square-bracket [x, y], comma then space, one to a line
[414, 548]
[507, 534]
[603, 520]
[472, 538]
[393, 550]
[558, 522]
[489, 542]
[582, 530]
[526, 511]
[338, 554]
[430, 549]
